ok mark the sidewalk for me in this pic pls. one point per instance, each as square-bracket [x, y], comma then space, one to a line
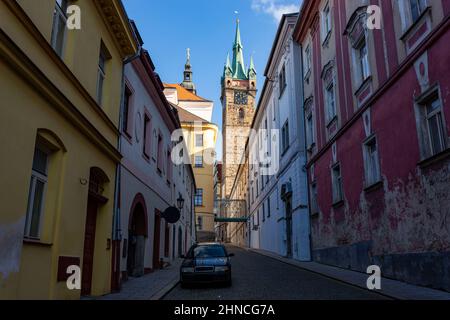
[390, 288]
[152, 286]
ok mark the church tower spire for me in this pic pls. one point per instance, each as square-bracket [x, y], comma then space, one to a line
[238, 109]
[238, 56]
[187, 83]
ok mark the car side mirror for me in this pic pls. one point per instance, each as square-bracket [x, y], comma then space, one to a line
[231, 255]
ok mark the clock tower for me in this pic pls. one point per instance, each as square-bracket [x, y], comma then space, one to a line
[238, 109]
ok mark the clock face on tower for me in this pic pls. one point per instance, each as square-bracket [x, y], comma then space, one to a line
[240, 97]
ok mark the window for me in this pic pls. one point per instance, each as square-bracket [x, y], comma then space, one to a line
[337, 184]
[282, 80]
[169, 167]
[285, 136]
[198, 199]
[268, 207]
[101, 72]
[372, 164]
[126, 111]
[326, 21]
[36, 195]
[331, 106]
[417, 8]
[147, 136]
[314, 203]
[241, 114]
[199, 140]
[160, 155]
[310, 141]
[263, 212]
[307, 60]
[363, 57]
[199, 161]
[59, 26]
[434, 125]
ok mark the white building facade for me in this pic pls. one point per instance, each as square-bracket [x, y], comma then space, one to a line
[149, 180]
[278, 193]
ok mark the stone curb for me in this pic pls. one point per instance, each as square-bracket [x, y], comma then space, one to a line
[164, 291]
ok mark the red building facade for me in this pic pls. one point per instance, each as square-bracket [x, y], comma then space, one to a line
[377, 110]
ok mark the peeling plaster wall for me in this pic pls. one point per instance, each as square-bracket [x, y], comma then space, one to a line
[11, 237]
[403, 223]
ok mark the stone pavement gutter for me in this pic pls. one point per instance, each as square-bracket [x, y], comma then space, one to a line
[152, 286]
[390, 288]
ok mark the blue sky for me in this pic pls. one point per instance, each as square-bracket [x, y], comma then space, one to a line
[207, 27]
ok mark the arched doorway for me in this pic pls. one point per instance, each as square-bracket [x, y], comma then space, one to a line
[137, 233]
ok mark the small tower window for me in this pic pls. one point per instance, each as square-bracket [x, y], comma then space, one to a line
[241, 114]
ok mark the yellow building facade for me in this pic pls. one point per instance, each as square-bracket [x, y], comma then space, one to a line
[200, 136]
[60, 97]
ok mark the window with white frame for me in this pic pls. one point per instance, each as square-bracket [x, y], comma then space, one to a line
[326, 21]
[310, 139]
[330, 102]
[432, 126]
[199, 161]
[371, 162]
[198, 199]
[363, 59]
[59, 26]
[285, 136]
[417, 8]
[101, 72]
[199, 140]
[36, 195]
[307, 62]
[336, 176]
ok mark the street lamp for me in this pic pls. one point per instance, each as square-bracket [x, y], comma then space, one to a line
[180, 202]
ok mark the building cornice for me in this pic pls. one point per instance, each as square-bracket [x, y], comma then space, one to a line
[115, 18]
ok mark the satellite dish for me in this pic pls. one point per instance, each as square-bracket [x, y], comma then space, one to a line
[171, 215]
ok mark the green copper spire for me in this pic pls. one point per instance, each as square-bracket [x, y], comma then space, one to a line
[238, 56]
[227, 70]
[251, 70]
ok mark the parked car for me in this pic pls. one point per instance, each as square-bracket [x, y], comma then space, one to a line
[206, 263]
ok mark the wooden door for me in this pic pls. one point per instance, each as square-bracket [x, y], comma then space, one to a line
[89, 246]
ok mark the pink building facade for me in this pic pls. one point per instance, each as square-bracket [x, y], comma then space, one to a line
[377, 114]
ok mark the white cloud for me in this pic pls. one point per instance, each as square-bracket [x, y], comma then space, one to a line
[275, 8]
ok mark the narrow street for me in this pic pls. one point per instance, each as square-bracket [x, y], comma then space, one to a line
[259, 277]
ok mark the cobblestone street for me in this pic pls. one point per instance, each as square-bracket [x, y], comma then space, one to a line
[260, 277]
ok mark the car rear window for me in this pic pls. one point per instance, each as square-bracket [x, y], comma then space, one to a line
[209, 252]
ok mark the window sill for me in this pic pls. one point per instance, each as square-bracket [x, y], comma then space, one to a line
[363, 85]
[373, 187]
[307, 75]
[36, 242]
[327, 39]
[435, 158]
[127, 137]
[338, 204]
[331, 121]
[407, 32]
